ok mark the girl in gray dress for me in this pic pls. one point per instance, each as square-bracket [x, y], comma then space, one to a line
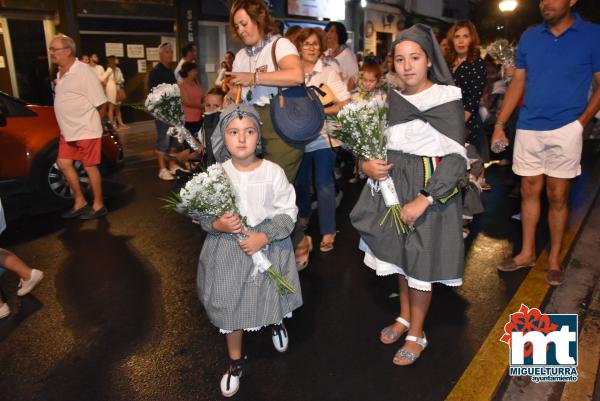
[427, 161]
[236, 296]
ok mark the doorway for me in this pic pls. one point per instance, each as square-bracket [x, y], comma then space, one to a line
[30, 60]
[384, 42]
[214, 40]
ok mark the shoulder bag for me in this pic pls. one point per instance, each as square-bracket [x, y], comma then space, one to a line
[296, 113]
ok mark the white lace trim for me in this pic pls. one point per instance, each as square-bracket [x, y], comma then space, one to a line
[383, 268]
[223, 331]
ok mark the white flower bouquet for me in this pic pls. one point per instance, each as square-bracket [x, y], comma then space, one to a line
[164, 103]
[211, 194]
[361, 126]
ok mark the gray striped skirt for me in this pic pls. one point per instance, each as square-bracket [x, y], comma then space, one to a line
[233, 297]
[434, 250]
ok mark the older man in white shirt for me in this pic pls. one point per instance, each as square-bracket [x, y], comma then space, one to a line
[78, 97]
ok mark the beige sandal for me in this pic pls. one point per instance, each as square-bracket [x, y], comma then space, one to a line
[302, 257]
[326, 245]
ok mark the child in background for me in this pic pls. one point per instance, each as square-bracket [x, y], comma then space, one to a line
[234, 296]
[369, 87]
[427, 162]
[370, 83]
[213, 103]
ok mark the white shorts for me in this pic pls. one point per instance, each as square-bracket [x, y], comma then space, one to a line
[555, 153]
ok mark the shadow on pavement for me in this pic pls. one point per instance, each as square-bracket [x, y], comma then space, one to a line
[106, 292]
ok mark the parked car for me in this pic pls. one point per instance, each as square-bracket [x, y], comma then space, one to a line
[28, 149]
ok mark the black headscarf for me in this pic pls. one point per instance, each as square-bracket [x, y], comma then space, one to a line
[423, 35]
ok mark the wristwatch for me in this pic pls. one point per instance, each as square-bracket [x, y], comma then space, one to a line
[427, 196]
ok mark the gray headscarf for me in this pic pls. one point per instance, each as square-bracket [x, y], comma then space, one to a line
[234, 111]
[423, 35]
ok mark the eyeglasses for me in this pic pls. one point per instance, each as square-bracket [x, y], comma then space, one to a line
[313, 45]
[55, 49]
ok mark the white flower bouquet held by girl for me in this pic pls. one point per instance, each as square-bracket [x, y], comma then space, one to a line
[164, 103]
[362, 130]
[211, 194]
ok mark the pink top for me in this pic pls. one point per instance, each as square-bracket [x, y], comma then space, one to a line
[194, 93]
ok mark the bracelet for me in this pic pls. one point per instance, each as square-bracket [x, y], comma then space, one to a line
[427, 196]
[254, 79]
[499, 124]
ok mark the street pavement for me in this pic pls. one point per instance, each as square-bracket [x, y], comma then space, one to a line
[117, 315]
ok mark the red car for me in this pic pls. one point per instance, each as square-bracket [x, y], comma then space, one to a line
[28, 148]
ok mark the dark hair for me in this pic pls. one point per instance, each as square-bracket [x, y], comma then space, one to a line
[230, 52]
[473, 51]
[340, 29]
[306, 33]
[216, 91]
[186, 68]
[258, 13]
[292, 32]
[372, 67]
[188, 47]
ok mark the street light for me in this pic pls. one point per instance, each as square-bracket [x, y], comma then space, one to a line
[508, 5]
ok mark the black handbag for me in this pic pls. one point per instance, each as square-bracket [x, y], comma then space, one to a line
[296, 113]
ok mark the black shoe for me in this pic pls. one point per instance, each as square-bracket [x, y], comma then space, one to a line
[91, 214]
[71, 214]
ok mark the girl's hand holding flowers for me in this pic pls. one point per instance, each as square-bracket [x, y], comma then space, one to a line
[254, 242]
[377, 169]
[413, 210]
[228, 223]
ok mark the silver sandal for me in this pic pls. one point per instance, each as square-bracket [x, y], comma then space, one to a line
[393, 335]
[410, 356]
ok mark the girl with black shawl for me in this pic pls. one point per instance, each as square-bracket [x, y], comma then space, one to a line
[427, 161]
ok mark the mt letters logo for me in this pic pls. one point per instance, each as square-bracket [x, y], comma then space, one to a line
[543, 346]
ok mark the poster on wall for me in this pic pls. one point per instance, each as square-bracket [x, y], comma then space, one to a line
[135, 51]
[141, 66]
[152, 54]
[113, 49]
[173, 41]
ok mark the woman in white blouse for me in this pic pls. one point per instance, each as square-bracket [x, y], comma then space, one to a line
[259, 78]
[318, 154]
[337, 36]
[109, 80]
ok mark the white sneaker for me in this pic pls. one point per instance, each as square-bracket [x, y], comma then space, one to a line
[4, 310]
[165, 175]
[173, 171]
[280, 337]
[230, 382]
[26, 286]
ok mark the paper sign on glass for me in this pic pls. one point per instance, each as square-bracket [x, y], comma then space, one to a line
[113, 49]
[135, 51]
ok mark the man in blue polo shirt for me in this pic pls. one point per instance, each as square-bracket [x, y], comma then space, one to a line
[556, 62]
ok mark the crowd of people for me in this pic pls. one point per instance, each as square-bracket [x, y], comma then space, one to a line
[446, 107]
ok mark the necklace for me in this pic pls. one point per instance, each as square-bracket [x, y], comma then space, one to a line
[253, 55]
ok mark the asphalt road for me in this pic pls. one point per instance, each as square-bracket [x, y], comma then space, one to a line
[117, 316]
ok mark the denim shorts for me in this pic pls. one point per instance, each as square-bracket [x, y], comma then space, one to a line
[164, 142]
